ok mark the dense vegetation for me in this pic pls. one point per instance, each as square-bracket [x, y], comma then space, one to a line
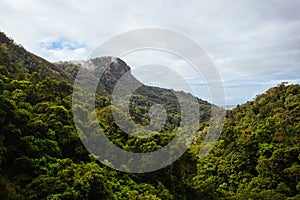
[42, 157]
[258, 154]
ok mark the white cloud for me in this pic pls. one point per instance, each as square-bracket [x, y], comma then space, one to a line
[247, 40]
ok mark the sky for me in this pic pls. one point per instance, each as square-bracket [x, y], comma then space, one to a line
[253, 44]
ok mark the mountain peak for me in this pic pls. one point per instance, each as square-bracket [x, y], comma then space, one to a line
[112, 65]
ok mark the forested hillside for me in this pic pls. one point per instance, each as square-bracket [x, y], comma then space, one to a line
[258, 154]
[42, 157]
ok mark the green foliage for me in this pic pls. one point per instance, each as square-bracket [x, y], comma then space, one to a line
[258, 154]
[42, 157]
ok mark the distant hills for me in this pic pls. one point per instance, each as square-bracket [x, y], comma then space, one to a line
[42, 157]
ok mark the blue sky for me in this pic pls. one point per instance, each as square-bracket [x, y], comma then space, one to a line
[61, 44]
[253, 44]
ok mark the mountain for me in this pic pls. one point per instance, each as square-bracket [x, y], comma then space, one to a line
[42, 157]
[258, 154]
[39, 145]
[145, 96]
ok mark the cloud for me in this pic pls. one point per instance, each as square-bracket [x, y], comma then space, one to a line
[61, 44]
[59, 49]
[249, 41]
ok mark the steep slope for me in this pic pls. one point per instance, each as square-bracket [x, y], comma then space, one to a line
[258, 154]
[142, 99]
[39, 146]
[17, 59]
